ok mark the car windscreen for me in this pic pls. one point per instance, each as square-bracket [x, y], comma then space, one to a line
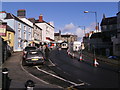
[34, 54]
[30, 48]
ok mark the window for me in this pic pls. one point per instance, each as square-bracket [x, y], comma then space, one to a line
[24, 34]
[24, 27]
[18, 44]
[117, 47]
[19, 33]
[104, 27]
[19, 25]
[29, 36]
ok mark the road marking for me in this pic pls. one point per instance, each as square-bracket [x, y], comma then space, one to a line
[84, 82]
[56, 76]
[32, 75]
[51, 63]
[59, 68]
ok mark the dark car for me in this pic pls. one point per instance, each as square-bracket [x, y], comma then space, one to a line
[27, 49]
[34, 57]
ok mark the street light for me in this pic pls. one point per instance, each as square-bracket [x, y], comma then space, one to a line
[83, 27]
[81, 44]
[96, 27]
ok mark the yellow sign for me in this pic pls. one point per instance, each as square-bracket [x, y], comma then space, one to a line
[35, 59]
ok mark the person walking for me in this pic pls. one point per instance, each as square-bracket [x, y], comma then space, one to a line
[47, 52]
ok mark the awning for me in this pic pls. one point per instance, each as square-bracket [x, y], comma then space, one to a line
[37, 42]
[47, 38]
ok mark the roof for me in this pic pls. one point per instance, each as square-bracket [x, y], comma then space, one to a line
[56, 34]
[65, 35]
[109, 21]
[10, 29]
[37, 26]
[37, 21]
[68, 35]
[11, 16]
[96, 35]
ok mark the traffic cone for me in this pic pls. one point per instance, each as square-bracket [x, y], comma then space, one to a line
[81, 58]
[68, 53]
[73, 55]
[95, 63]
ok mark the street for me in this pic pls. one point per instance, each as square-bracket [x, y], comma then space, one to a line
[61, 71]
[80, 71]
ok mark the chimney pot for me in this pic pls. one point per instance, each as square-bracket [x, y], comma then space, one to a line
[21, 13]
[41, 18]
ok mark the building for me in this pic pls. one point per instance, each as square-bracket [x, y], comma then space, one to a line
[57, 36]
[23, 31]
[67, 37]
[47, 29]
[101, 42]
[36, 32]
[8, 35]
[109, 30]
[116, 39]
[36, 36]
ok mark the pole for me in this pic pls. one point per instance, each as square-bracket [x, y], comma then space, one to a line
[29, 85]
[5, 79]
[84, 30]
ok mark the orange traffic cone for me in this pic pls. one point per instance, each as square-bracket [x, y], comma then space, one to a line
[95, 63]
[81, 58]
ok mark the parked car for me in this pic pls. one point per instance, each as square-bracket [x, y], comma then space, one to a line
[27, 49]
[34, 57]
[112, 57]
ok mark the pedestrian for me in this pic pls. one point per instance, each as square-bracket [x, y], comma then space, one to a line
[47, 52]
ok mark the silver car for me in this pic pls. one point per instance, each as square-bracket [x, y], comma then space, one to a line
[34, 57]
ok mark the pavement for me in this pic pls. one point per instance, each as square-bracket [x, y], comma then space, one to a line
[19, 75]
[103, 61]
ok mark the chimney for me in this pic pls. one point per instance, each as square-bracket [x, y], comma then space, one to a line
[104, 16]
[21, 13]
[2, 11]
[87, 35]
[41, 18]
[91, 32]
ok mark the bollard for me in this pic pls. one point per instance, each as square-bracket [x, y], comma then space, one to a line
[29, 85]
[5, 79]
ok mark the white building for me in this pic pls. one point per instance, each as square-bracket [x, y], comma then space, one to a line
[22, 30]
[47, 29]
[36, 30]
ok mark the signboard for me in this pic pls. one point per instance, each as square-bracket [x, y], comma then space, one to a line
[2, 30]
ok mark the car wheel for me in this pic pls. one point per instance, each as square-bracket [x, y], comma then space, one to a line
[23, 63]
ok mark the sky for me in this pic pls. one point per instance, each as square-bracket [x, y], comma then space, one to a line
[67, 16]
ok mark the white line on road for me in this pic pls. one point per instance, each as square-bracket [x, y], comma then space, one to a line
[57, 76]
[59, 68]
[51, 63]
[84, 82]
[32, 75]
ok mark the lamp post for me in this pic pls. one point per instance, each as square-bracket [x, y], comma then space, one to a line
[96, 27]
[81, 52]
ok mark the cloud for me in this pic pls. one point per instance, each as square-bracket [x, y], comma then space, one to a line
[79, 32]
[68, 27]
[75, 30]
